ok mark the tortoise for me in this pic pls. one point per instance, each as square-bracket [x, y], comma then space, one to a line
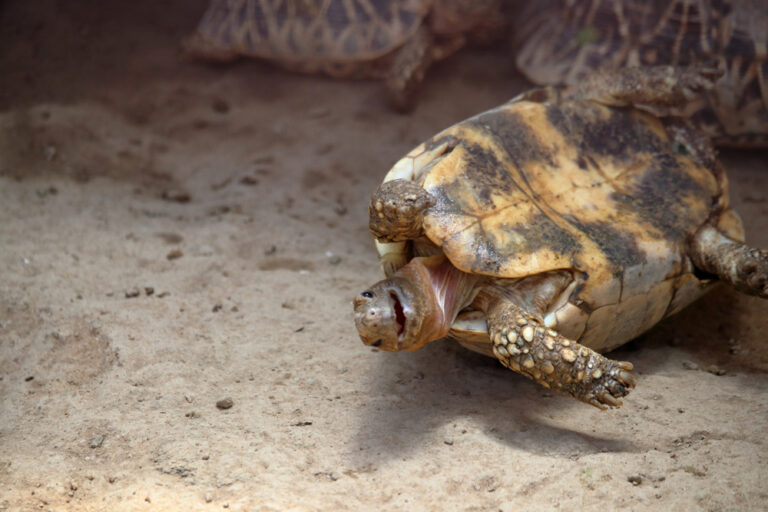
[555, 227]
[394, 40]
[561, 41]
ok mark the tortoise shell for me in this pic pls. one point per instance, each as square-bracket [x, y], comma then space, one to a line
[301, 33]
[562, 40]
[532, 187]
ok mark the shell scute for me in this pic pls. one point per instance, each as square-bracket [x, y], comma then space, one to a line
[531, 187]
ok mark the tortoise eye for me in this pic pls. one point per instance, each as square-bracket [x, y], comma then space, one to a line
[367, 294]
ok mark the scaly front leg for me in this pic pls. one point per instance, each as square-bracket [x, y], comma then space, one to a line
[523, 344]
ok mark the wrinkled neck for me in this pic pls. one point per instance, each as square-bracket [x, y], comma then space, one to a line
[446, 290]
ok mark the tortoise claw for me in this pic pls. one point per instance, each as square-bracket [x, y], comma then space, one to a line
[615, 384]
[622, 374]
[607, 399]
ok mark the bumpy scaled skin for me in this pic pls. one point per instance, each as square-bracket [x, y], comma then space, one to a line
[653, 85]
[743, 267]
[524, 345]
[396, 211]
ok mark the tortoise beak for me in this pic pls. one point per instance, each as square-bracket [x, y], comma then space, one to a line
[380, 318]
[389, 315]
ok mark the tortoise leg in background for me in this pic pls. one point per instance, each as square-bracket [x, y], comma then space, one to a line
[525, 345]
[651, 85]
[741, 266]
[410, 63]
[397, 209]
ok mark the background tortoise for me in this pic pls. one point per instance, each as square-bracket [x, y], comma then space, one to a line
[563, 40]
[556, 218]
[395, 40]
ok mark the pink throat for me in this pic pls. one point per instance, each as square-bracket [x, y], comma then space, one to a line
[449, 290]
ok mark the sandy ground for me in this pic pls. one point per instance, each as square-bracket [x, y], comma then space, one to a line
[172, 235]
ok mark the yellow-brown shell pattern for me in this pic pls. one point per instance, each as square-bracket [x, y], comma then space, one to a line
[531, 187]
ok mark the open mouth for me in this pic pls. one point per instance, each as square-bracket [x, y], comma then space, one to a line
[399, 314]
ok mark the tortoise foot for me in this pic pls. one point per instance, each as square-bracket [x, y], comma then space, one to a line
[754, 266]
[743, 267]
[396, 211]
[615, 383]
[524, 345]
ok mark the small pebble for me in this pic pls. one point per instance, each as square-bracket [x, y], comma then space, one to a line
[208, 497]
[132, 293]
[690, 365]
[335, 259]
[249, 180]
[96, 441]
[149, 290]
[714, 370]
[29, 378]
[176, 195]
[217, 307]
[175, 254]
[225, 403]
[272, 249]
[449, 442]
[206, 457]
[635, 479]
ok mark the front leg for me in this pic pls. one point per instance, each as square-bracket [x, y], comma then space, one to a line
[651, 85]
[523, 344]
[397, 209]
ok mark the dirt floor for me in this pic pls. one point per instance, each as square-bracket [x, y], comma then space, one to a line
[173, 235]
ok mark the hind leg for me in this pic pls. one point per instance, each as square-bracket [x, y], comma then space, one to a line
[410, 64]
[743, 267]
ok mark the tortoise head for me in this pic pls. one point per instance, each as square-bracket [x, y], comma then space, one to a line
[390, 315]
